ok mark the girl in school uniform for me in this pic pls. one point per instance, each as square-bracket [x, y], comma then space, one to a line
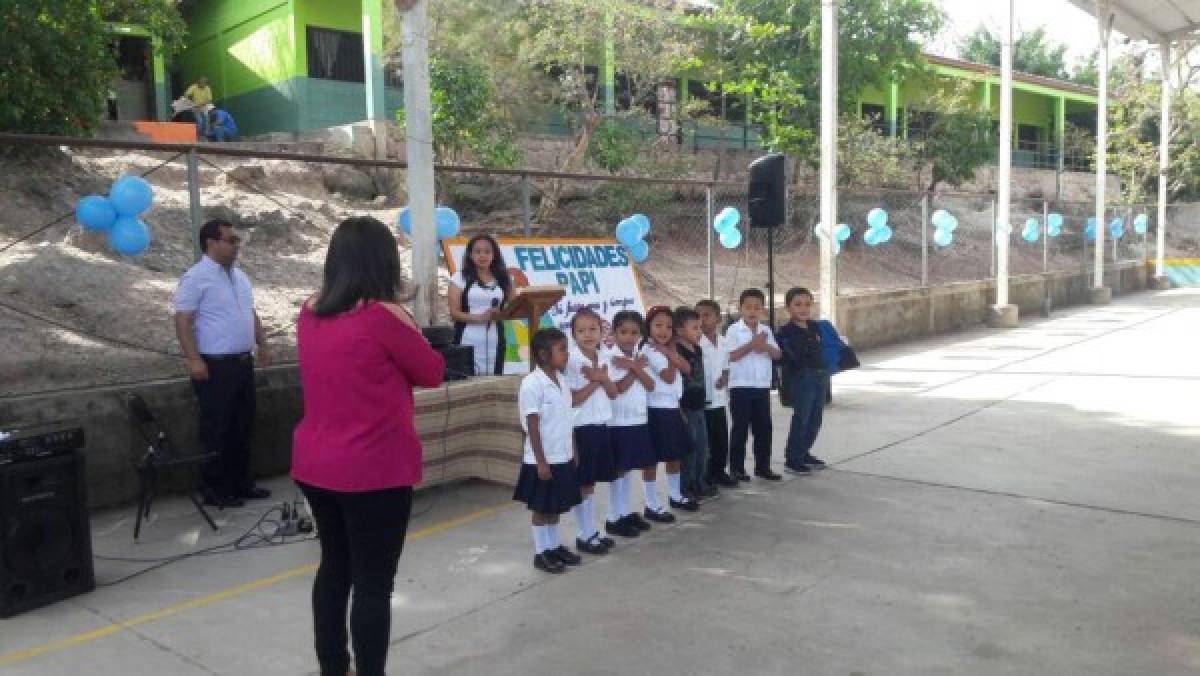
[547, 483]
[632, 447]
[592, 392]
[474, 296]
[668, 429]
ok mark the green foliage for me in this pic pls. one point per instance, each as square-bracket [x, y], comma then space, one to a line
[771, 50]
[615, 145]
[868, 158]
[956, 142]
[464, 116]
[1033, 53]
[56, 66]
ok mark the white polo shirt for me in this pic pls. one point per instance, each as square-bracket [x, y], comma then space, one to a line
[754, 369]
[597, 408]
[552, 404]
[629, 408]
[716, 361]
[664, 394]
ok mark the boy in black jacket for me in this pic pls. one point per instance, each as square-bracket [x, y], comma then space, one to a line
[808, 378]
[692, 404]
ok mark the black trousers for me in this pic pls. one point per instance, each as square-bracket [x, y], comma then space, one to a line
[362, 535]
[227, 403]
[718, 441]
[751, 411]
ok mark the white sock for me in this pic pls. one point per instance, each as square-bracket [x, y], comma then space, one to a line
[614, 500]
[552, 536]
[651, 486]
[626, 495]
[537, 540]
[545, 538]
[583, 518]
[673, 487]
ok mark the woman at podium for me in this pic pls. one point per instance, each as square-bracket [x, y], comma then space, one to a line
[481, 285]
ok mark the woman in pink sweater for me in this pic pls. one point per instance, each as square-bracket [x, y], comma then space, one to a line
[355, 453]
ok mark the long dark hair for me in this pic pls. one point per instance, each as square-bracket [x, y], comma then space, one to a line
[362, 264]
[651, 314]
[498, 268]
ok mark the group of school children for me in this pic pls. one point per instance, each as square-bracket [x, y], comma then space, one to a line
[594, 414]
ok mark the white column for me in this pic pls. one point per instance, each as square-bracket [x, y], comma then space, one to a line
[418, 135]
[829, 90]
[1103, 21]
[1164, 158]
[1004, 173]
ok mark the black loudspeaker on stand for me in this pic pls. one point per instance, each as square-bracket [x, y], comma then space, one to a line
[45, 535]
[767, 208]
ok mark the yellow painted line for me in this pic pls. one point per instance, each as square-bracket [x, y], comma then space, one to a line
[86, 637]
[1186, 262]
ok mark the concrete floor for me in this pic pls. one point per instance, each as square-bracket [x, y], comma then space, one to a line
[1001, 502]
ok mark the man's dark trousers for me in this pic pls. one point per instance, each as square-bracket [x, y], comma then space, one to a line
[227, 403]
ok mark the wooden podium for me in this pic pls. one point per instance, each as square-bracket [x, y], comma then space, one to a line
[530, 303]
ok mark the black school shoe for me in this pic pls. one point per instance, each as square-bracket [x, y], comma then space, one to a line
[564, 555]
[548, 562]
[802, 470]
[686, 504]
[740, 475]
[660, 517]
[592, 545]
[813, 462]
[637, 521]
[622, 528]
[768, 475]
[710, 491]
[724, 479]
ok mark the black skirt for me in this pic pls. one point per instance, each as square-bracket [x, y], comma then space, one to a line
[594, 445]
[632, 447]
[555, 496]
[669, 434]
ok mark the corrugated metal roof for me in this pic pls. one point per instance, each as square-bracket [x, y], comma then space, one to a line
[1153, 20]
[1042, 81]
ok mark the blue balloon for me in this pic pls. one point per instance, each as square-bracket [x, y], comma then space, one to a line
[447, 222]
[943, 236]
[842, 232]
[129, 236]
[727, 218]
[1116, 228]
[939, 217]
[731, 239]
[405, 221]
[95, 213]
[1089, 232]
[885, 233]
[1032, 230]
[639, 251]
[629, 232]
[1054, 221]
[871, 237]
[643, 224]
[1140, 224]
[877, 217]
[131, 195]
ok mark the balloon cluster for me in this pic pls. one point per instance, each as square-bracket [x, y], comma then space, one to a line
[1140, 224]
[878, 231]
[1054, 223]
[840, 234]
[118, 213]
[944, 224]
[1033, 229]
[446, 219]
[1089, 231]
[726, 225]
[631, 233]
[1116, 228]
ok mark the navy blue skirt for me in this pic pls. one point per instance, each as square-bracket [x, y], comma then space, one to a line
[669, 434]
[593, 443]
[632, 447]
[555, 496]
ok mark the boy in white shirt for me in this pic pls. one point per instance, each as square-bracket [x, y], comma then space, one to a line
[752, 351]
[716, 385]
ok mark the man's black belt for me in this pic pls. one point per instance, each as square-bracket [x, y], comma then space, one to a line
[239, 357]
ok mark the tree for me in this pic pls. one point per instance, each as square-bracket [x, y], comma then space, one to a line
[57, 66]
[770, 50]
[955, 142]
[1033, 53]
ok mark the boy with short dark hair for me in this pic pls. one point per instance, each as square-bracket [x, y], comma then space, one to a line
[716, 385]
[752, 351]
[692, 403]
[807, 377]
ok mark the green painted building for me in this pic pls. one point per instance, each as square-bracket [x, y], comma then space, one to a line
[290, 65]
[298, 65]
